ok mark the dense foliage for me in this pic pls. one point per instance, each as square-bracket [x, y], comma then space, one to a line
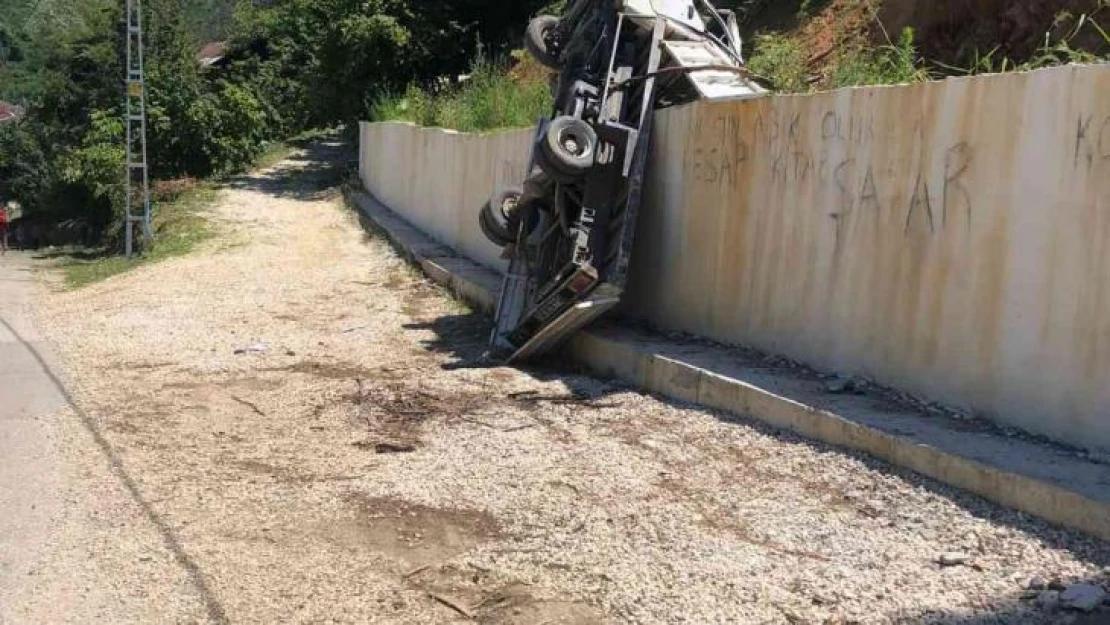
[322, 62]
[293, 65]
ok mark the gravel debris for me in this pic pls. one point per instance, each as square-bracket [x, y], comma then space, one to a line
[607, 506]
[954, 558]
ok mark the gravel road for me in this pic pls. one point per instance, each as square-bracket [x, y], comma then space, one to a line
[306, 419]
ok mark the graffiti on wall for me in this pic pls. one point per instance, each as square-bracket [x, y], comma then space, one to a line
[827, 159]
[1092, 140]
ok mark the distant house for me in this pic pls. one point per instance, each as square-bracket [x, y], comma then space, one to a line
[9, 112]
[213, 54]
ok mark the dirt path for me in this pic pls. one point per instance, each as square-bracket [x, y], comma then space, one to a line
[305, 416]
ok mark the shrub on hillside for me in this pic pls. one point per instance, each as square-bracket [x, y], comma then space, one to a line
[488, 99]
[781, 60]
[887, 65]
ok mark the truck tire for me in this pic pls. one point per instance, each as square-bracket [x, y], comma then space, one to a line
[568, 148]
[493, 234]
[500, 218]
[541, 44]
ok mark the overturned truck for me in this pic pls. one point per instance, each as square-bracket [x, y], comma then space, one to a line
[567, 232]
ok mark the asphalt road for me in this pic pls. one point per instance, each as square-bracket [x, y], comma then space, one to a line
[29, 462]
[77, 544]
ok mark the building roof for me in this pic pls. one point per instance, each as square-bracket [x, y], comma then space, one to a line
[212, 53]
[9, 111]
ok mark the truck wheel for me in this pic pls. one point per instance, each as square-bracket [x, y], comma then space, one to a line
[501, 217]
[568, 148]
[495, 235]
[540, 41]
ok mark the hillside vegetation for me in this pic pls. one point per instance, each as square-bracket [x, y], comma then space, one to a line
[295, 65]
[511, 94]
[811, 44]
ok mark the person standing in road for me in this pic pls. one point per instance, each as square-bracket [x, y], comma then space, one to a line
[3, 228]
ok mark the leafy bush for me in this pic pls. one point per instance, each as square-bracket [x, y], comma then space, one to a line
[229, 125]
[97, 164]
[25, 167]
[782, 60]
[323, 62]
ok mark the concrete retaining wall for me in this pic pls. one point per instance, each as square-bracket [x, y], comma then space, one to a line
[951, 239]
[439, 179]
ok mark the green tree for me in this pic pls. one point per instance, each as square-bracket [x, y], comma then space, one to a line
[228, 126]
[295, 64]
[96, 166]
[24, 166]
[319, 62]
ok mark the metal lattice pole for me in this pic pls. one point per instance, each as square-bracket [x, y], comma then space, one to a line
[138, 175]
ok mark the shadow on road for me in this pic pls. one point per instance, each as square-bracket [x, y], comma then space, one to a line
[465, 339]
[1016, 611]
[80, 254]
[312, 173]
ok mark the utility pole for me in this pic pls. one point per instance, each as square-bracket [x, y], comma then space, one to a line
[138, 174]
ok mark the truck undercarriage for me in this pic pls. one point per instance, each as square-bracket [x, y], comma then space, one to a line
[568, 230]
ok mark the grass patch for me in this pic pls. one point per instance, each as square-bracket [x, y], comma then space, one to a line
[892, 64]
[179, 226]
[491, 98]
[781, 60]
